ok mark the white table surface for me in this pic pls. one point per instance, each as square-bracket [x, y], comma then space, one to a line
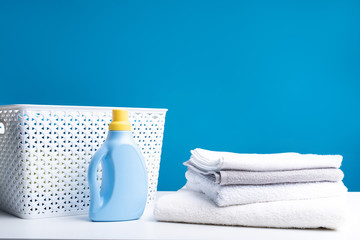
[79, 227]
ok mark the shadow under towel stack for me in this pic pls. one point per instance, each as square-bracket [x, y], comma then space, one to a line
[286, 190]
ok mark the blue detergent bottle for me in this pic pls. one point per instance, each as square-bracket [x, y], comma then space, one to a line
[124, 183]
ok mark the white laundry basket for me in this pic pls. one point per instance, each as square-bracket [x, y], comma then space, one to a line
[45, 152]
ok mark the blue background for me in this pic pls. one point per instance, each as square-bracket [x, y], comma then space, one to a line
[243, 76]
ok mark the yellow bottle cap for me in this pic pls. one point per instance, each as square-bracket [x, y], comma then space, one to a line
[120, 120]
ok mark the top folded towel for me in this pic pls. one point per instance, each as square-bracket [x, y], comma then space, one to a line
[215, 161]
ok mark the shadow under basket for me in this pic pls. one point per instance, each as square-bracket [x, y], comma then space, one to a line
[45, 152]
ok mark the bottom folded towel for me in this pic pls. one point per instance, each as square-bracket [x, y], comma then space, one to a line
[191, 207]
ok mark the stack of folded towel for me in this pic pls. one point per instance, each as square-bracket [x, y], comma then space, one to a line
[286, 190]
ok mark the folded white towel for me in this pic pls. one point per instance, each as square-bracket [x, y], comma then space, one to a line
[246, 194]
[234, 177]
[191, 207]
[215, 161]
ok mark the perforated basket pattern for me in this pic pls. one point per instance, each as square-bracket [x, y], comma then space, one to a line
[45, 152]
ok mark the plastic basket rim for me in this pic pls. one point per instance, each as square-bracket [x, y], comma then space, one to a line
[77, 108]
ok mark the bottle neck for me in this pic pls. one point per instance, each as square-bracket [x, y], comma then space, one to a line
[116, 134]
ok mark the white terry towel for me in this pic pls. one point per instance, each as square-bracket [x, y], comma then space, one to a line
[246, 194]
[234, 177]
[192, 207]
[215, 161]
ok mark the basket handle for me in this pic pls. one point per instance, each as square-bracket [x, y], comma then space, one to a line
[95, 197]
[2, 128]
